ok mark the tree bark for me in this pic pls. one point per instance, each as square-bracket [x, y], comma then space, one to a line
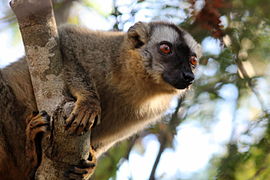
[39, 32]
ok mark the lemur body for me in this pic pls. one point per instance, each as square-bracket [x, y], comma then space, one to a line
[131, 76]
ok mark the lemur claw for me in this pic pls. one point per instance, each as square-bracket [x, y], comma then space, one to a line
[84, 115]
[37, 124]
[84, 169]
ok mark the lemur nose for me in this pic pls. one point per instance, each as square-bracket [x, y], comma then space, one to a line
[188, 77]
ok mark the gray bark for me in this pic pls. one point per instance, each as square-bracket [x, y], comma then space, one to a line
[39, 31]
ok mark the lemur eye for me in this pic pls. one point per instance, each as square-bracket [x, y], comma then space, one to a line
[193, 61]
[165, 48]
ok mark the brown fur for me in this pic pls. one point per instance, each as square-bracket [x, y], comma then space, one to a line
[107, 66]
[12, 122]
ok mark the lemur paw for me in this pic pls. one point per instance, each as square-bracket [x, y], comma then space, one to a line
[37, 125]
[83, 170]
[84, 115]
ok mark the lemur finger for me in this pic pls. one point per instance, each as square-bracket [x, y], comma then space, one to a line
[73, 176]
[83, 169]
[74, 128]
[85, 119]
[92, 120]
[98, 119]
[87, 164]
[39, 130]
[70, 119]
[40, 120]
[83, 123]
[39, 123]
[77, 170]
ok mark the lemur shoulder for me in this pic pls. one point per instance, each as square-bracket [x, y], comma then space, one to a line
[128, 79]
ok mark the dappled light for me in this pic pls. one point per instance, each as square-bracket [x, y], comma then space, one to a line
[220, 129]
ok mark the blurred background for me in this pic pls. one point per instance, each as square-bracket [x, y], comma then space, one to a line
[220, 129]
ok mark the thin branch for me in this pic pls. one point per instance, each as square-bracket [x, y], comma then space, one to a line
[258, 172]
[131, 143]
[250, 85]
[233, 131]
[164, 135]
[162, 147]
[175, 120]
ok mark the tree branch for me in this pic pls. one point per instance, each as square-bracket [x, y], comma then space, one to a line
[39, 31]
[163, 142]
[165, 135]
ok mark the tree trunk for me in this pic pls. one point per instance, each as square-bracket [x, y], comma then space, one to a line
[40, 37]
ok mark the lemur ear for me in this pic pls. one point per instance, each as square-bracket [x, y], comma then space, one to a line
[138, 34]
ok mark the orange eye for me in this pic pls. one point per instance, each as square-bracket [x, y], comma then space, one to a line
[193, 60]
[165, 48]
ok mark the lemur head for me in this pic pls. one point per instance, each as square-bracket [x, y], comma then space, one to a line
[170, 55]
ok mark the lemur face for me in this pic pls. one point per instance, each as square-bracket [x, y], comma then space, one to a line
[170, 54]
[174, 54]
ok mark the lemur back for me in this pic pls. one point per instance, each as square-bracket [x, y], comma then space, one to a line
[127, 78]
